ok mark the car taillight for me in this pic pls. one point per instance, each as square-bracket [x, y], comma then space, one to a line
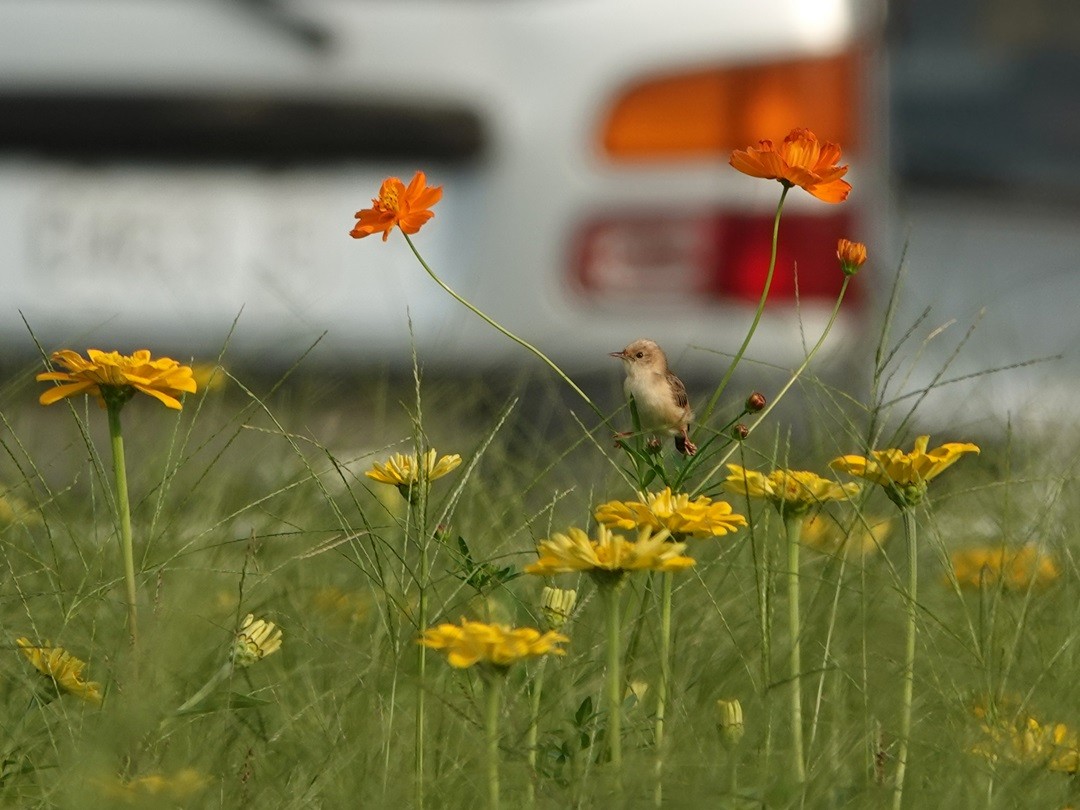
[720, 257]
[710, 112]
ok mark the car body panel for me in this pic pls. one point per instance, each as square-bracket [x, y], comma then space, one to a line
[155, 250]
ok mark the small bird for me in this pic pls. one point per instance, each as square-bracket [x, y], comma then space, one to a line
[660, 396]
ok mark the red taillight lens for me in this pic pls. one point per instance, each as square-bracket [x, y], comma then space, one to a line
[710, 112]
[721, 257]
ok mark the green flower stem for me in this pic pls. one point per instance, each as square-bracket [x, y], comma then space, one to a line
[418, 511]
[762, 566]
[909, 658]
[219, 676]
[643, 467]
[421, 672]
[491, 729]
[533, 735]
[787, 386]
[665, 680]
[609, 592]
[793, 528]
[520, 341]
[810, 355]
[707, 412]
[123, 508]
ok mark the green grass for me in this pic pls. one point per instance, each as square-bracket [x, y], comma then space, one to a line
[257, 503]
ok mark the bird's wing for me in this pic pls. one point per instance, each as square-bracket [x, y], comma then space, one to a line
[679, 390]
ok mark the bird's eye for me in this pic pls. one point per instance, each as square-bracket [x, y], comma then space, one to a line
[639, 355]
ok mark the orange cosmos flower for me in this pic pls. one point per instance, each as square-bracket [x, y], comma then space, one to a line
[407, 208]
[852, 256]
[800, 161]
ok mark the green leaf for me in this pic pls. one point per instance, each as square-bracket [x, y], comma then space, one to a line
[584, 712]
[224, 702]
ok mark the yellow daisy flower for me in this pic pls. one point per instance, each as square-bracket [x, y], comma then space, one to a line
[177, 787]
[403, 471]
[1027, 741]
[701, 517]
[608, 553]
[15, 511]
[791, 491]
[1015, 568]
[62, 668]
[256, 639]
[209, 376]
[860, 538]
[905, 475]
[115, 377]
[471, 643]
[341, 605]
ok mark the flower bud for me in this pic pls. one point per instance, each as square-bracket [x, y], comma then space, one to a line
[256, 639]
[729, 721]
[852, 255]
[557, 605]
[740, 432]
[906, 496]
[755, 402]
[635, 692]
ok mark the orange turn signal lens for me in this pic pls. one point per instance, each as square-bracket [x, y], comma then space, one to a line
[710, 112]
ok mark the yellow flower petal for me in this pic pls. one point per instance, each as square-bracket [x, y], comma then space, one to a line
[1014, 568]
[904, 475]
[256, 639]
[62, 668]
[701, 517]
[163, 379]
[794, 490]
[476, 642]
[575, 551]
[405, 470]
[859, 537]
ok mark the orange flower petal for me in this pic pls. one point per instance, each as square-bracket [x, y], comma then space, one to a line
[801, 160]
[406, 207]
[835, 192]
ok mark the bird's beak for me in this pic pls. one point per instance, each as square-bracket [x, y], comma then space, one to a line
[621, 355]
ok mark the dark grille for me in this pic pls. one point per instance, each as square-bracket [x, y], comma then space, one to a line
[243, 128]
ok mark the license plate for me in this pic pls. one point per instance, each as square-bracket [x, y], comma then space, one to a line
[171, 247]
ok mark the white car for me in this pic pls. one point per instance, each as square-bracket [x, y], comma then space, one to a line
[166, 166]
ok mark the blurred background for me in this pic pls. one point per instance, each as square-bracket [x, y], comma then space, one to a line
[183, 176]
[985, 121]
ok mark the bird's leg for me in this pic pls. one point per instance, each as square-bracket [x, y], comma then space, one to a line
[683, 443]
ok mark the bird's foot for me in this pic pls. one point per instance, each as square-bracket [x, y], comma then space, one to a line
[684, 445]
